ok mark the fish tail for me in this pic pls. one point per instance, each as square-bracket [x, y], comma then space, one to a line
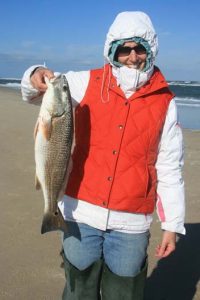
[53, 221]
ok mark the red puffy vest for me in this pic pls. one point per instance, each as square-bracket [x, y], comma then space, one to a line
[117, 143]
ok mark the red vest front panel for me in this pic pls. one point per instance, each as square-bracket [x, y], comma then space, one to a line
[117, 143]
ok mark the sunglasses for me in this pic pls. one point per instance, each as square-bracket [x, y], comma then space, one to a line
[125, 50]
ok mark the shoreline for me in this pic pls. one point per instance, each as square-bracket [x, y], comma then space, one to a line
[18, 92]
[30, 262]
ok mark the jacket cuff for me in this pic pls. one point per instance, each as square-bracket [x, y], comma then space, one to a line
[169, 226]
[29, 93]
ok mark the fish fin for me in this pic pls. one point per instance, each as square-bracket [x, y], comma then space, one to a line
[37, 183]
[46, 127]
[53, 221]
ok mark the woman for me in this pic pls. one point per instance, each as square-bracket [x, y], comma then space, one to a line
[127, 159]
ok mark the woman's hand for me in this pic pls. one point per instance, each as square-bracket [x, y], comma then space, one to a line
[167, 245]
[37, 79]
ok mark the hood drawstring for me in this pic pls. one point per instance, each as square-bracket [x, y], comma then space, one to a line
[103, 84]
[137, 78]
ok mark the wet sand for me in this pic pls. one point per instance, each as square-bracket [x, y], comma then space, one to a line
[30, 262]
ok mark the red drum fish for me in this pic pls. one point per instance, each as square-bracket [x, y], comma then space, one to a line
[53, 142]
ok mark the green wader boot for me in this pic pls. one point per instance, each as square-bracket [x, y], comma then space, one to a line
[82, 285]
[116, 287]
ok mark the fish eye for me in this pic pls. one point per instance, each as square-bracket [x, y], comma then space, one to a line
[64, 88]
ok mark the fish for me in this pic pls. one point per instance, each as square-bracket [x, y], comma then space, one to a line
[53, 142]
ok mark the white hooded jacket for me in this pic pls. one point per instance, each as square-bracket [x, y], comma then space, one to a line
[170, 187]
[131, 24]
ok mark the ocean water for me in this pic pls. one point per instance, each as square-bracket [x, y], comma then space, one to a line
[14, 83]
[187, 96]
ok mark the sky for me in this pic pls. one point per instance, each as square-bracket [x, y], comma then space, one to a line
[70, 35]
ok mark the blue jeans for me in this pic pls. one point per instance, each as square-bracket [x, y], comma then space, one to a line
[123, 253]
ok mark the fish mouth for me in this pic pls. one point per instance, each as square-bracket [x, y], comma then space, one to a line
[56, 78]
[64, 83]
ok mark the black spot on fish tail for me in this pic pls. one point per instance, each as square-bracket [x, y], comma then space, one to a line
[53, 221]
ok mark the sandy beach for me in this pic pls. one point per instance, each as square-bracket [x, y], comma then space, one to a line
[30, 262]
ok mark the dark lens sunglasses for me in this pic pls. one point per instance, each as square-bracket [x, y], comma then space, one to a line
[125, 50]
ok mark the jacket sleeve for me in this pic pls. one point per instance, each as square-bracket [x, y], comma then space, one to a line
[78, 82]
[170, 186]
[29, 94]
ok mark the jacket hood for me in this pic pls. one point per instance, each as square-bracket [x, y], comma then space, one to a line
[128, 25]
